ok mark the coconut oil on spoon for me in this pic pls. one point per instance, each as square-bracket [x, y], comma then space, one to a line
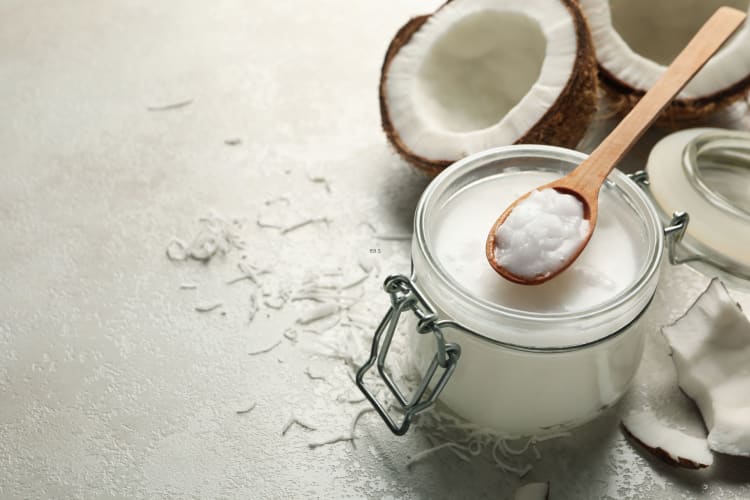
[543, 232]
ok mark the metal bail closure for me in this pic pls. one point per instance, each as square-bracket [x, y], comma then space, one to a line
[406, 296]
[673, 233]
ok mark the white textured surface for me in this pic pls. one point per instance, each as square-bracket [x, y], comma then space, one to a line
[111, 384]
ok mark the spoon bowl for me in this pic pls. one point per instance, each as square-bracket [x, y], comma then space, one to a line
[590, 213]
[585, 181]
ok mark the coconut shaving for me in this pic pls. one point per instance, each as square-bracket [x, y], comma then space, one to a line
[334, 322]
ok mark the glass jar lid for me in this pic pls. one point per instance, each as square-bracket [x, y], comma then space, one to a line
[706, 173]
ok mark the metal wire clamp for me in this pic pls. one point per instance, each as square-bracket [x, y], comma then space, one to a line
[675, 228]
[674, 232]
[405, 296]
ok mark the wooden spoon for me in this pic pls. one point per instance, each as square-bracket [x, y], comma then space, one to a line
[585, 180]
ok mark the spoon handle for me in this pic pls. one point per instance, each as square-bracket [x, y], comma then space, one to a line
[693, 57]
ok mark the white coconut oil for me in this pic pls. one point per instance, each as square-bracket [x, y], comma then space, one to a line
[605, 267]
[541, 234]
[534, 359]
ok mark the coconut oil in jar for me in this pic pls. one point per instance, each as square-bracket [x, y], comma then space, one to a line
[534, 359]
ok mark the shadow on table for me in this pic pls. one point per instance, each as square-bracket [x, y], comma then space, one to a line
[576, 466]
[398, 195]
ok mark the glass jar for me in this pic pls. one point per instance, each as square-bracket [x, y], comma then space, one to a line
[516, 371]
[705, 172]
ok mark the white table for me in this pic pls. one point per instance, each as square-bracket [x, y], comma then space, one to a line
[111, 383]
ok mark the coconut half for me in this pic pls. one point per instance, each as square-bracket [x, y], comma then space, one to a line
[667, 443]
[482, 73]
[711, 351]
[636, 40]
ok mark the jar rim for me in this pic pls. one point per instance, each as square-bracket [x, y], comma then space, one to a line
[617, 179]
[723, 142]
[673, 182]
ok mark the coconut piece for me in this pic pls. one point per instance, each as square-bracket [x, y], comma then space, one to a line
[672, 445]
[636, 40]
[711, 351]
[482, 73]
[532, 491]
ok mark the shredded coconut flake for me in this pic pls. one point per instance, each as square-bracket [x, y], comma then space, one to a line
[311, 376]
[208, 307]
[322, 311]
[247, 410]
[356, 418]
[217, 236]
[337, 439]
[294, 420]
[532, 491]
[393, 237]
[265, 350]
[303, 223]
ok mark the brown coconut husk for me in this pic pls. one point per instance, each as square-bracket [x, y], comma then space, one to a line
[680, 113]
[404, 34]
[565, 122]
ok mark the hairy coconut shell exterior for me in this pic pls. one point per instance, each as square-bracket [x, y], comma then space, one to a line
[431, 167]
[680, 112]
[565, 122]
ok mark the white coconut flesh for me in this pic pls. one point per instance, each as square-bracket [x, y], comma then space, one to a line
[636, 40]
[479, 73]
[674, 445]
[711, 351]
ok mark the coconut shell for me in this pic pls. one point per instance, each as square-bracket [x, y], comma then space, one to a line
[679, 113]
[404, 34]
[565, 122]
